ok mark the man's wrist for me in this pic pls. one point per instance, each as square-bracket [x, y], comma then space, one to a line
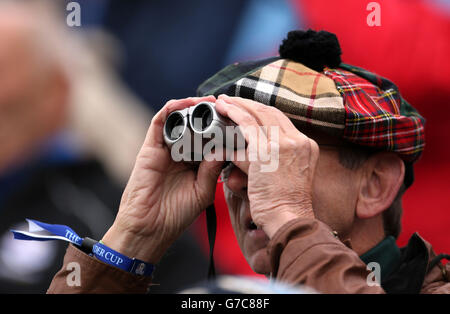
[132, 245]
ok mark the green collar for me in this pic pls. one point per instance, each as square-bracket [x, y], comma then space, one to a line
[386, 253]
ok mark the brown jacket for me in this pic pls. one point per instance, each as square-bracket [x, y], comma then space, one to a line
[304, 251]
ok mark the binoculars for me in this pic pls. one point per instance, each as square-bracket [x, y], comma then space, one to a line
[193, 127]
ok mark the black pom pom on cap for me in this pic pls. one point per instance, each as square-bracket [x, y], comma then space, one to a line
[312, 49]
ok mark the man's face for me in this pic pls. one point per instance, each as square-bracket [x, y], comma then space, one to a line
[334, 200]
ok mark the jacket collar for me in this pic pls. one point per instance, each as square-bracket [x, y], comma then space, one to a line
[386, 253]
[403, 270]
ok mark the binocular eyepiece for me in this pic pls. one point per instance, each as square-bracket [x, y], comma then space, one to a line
[193, 125]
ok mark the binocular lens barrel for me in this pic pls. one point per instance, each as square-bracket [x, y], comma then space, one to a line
[202, 117]
[199, 117]
[200, 124]
[175, 126]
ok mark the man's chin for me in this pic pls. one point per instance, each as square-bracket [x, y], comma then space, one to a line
[260, 262]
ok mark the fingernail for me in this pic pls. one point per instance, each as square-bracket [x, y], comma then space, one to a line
[224, 96]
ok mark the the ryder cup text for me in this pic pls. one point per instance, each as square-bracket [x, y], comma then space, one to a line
[109, 256]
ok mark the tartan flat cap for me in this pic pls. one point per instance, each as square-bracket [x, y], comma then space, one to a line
[310, 84]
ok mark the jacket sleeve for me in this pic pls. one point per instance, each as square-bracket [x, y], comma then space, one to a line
[437, 280]
[305, 251]
[82, 273]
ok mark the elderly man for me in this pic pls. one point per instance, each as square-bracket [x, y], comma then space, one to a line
[346, 145]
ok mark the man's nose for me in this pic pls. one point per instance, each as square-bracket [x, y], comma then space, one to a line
[237, 182]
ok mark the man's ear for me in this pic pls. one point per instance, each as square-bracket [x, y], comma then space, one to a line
[382, 176]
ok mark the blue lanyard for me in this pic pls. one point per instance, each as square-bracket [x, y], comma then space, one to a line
[39, 231]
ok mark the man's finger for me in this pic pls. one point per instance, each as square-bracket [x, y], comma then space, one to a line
[207, 175]
[247, 123]
[265, 115]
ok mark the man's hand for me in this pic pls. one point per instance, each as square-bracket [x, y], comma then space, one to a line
[162, 197]
[286, 192]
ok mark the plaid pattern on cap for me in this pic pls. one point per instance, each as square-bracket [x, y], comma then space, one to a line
[374, 116]
[350, 103]
[304, 95]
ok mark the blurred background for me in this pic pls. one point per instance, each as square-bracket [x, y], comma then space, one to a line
[76, 101]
